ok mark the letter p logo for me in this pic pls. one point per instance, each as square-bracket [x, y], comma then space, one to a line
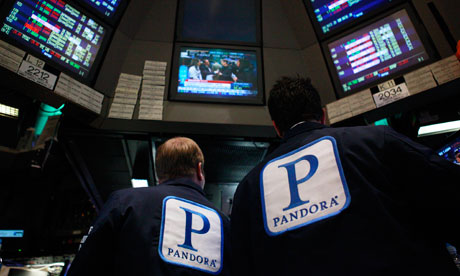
[293, 185]
[191, 235]
[294, 182]
[189, 227]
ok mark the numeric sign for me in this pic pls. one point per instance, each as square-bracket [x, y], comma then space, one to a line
[37, 74]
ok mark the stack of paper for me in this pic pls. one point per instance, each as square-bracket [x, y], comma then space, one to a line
[350, 106]
[446, 69]
[338, 110]
[419, 80]
[79, 93]
[125, 97]
[361, 102]
[10, 56]
[153, 87]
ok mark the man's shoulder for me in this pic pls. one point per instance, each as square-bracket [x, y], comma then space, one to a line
[132, 194]
[358, 129]
[354, 133]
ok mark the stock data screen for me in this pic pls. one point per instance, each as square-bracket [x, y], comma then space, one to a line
[105, 7]
[376, 51]
[58, 31]
[333, 14]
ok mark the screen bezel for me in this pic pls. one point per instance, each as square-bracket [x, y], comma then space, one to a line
[419, 28]
[180, 21]
[319, 32]
[112, 21]
[173, 84]
[58, 68]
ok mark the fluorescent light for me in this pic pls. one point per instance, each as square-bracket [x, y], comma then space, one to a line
[439, 128]
[9, 111]
[139, 183]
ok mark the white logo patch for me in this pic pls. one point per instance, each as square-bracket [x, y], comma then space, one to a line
[191, 235]
[303, 186]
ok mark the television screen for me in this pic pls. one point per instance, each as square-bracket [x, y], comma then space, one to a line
[234, 22]
[376, 51]
[106, 7]
[57, 32]
[451, 151]
[217, 75]
[334, 14]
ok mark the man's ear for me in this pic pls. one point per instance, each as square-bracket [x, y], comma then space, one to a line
[199, 171]
[280, 134]
[323, 118]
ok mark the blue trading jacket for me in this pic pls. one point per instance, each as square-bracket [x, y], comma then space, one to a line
[390, 207]
[126, 237]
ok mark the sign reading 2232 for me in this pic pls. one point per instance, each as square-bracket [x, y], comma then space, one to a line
[303, 186]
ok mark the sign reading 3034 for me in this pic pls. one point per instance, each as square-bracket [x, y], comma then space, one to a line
[37, 74]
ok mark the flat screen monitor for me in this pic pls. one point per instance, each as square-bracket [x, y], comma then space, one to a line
[219, 21]
[330, 16]
[374, 53]
[58, 33]
[451, 150]
[108, 10]
[214, 74]
[106, 7]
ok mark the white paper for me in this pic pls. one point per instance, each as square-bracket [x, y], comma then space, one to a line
[154, 82]
[420, 80]
[11, 55]
[8, 63]
[16, 51]
[122, 100]
[446, 70]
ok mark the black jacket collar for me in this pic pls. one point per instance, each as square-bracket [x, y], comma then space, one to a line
[184, 181]
[301, 128]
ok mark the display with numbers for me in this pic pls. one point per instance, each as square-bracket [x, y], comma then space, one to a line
[331, 16]
[105, 7]
[377, 52]
[57, 32]
[109, 11]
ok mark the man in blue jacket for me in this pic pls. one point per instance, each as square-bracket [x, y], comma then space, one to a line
[169, 229]
[343, 201]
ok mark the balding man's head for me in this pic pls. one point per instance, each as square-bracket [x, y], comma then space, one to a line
[179, 157]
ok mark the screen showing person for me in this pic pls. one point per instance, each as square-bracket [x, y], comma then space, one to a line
[56, 31]
[217, 72]
[376, 51]
[334, 14]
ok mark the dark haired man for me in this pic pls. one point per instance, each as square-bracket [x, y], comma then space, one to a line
[170, 229]
[342, 201]
[206, 71]
[225, 73]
